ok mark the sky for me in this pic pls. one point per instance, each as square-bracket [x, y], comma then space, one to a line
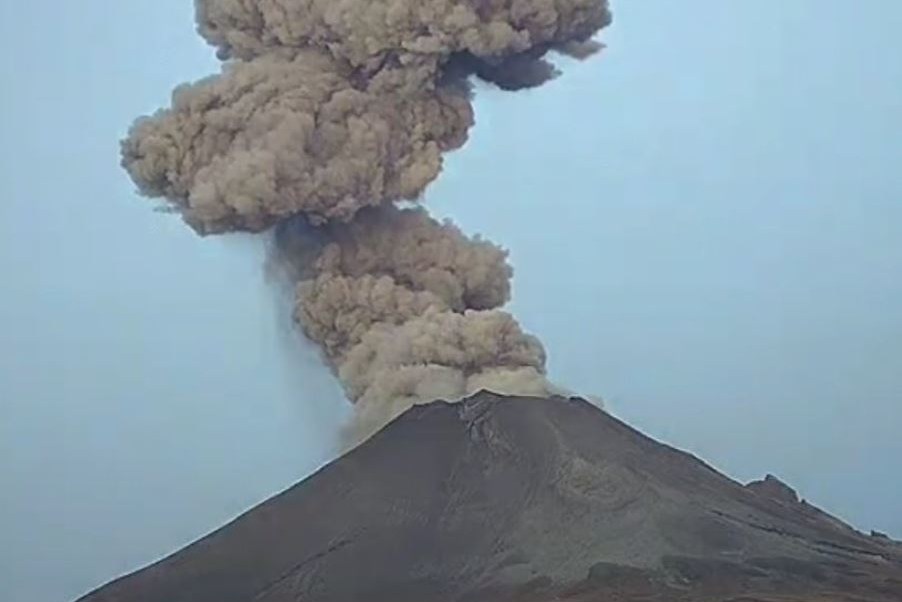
[705, 224]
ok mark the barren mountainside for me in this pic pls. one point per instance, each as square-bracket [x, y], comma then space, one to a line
[523, 499]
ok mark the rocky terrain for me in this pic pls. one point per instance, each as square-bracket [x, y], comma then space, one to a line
[523, 499]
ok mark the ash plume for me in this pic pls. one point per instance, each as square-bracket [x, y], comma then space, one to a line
[325, 115]
[283, 135]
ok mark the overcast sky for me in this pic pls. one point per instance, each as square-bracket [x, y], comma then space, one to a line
[705, 222]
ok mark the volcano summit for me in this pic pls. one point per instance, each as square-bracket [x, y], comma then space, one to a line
[523, 499]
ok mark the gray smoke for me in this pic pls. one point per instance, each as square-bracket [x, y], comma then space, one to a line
[326, 113]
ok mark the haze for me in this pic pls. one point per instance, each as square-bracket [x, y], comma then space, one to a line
[715, 251]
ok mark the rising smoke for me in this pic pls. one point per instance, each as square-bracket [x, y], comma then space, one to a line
[326, 114]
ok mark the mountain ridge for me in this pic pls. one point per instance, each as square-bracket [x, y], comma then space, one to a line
[499, 498]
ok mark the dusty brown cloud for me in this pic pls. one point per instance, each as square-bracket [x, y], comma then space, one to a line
[328, 112]
[277, 136]
[409, 34]
[337, 311]
[422, 254]
[439, 355]
[400, 304]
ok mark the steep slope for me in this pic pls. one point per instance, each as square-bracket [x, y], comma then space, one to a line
[523, 499]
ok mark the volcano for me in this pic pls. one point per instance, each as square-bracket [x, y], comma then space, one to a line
[523, 499]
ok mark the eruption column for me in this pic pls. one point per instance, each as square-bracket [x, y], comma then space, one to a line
[326, 114]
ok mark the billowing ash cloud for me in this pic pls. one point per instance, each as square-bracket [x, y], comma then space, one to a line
[415, 37]
[284, 135]
[404, 309]
[326, 113]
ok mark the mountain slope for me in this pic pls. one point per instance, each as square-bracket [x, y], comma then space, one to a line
[523, 499]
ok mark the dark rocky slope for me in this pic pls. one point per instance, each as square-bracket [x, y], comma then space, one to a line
[523, 499]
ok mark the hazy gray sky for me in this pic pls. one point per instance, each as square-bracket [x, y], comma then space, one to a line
[706, 226]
